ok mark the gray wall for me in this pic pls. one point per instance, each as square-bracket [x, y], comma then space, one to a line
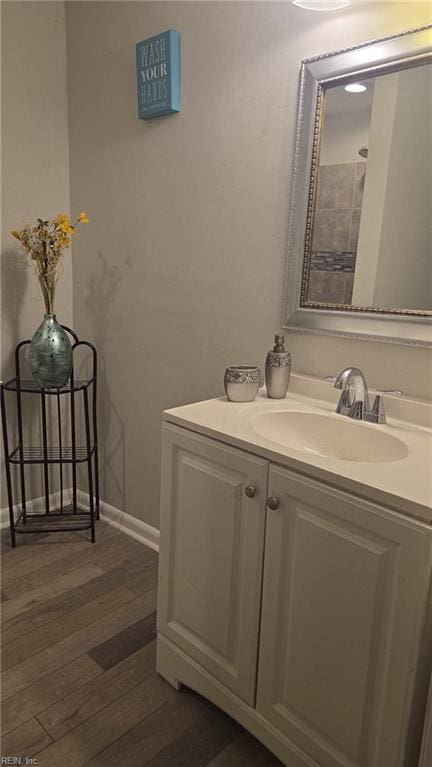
[181, 271]
[406, 235]
[35, 166]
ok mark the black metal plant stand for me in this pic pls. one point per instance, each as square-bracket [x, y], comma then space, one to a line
[63, 517]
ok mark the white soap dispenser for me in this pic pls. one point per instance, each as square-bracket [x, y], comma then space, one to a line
[278, 369]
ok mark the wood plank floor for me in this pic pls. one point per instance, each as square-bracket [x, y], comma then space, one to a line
[79, 685]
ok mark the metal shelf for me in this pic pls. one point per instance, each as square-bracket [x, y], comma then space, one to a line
[56, 422]
[63, 454]
[31, 387]
[68, 520]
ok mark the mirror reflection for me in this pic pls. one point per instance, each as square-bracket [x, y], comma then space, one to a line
[372, 222]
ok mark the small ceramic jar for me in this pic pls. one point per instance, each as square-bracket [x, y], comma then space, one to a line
[242, 382]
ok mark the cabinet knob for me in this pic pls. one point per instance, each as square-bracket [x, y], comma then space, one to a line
[250, 491]
[273, 503]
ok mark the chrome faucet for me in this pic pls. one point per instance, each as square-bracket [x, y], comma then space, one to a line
[354, 398]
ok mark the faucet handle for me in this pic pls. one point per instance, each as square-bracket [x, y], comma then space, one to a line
[396, 392]
[377, 411]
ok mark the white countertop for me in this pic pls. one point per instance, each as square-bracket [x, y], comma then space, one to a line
[404, 485]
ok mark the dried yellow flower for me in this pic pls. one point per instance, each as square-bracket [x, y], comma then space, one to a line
[44, 241]
[62, 218]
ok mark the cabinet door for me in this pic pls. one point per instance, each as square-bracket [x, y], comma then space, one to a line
[344, 595]
[426, 750]
[212, 546]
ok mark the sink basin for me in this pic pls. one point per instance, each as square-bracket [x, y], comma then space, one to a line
[329, 436]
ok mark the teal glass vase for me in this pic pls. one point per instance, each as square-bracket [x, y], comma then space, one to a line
[50, 355]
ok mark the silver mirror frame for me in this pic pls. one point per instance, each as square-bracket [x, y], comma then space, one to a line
[386, 54]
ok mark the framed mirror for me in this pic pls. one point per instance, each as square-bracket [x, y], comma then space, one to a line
[359, 257]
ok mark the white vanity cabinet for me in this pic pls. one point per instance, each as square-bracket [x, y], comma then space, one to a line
[212, 547]
[306, 622]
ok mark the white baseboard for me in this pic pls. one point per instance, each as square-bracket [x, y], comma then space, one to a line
[35, 506]
[133, 527]
[129, 525]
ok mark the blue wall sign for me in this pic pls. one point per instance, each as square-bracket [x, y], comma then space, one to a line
[158, 75]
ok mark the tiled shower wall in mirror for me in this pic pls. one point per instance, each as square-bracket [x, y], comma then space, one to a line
[335, 233]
